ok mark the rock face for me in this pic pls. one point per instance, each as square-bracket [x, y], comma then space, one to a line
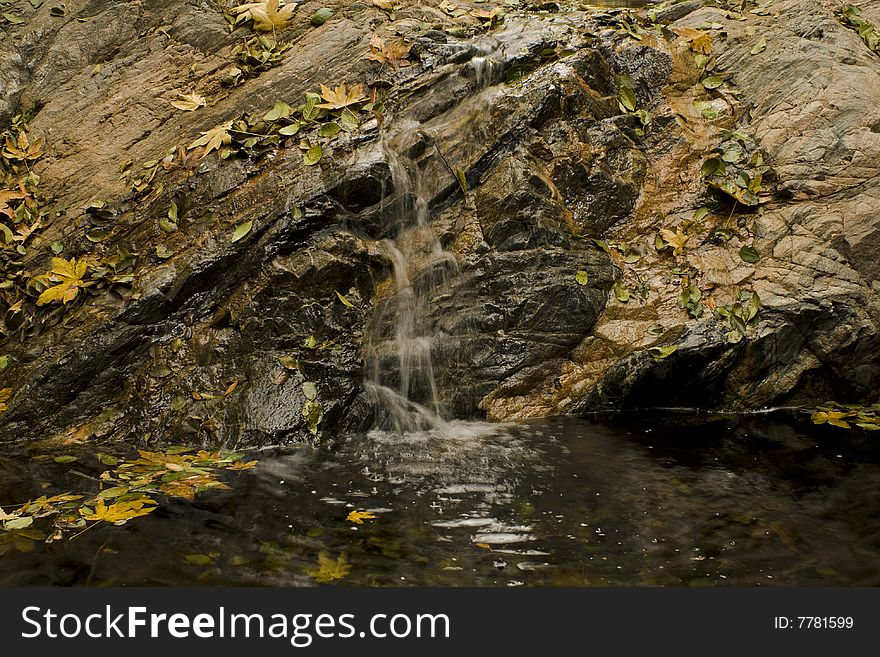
[532, 162]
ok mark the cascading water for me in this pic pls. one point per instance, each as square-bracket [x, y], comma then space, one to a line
[400, 370]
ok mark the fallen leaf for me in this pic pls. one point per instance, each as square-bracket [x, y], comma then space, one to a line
[345, 302]
[189, 102]
[119, 512]
[67, 276]
[267, 16]
[329, 569]
[214, 138]
[241, 231]
[341, 96]
[358, 517]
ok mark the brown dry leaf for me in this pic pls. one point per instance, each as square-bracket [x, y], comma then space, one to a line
[696, 40]
[7, 195]
[676, 239]
[67, 276]
[394, 54]
[214, 138]
[341, 96]
[189, 102]
[22, 148]
[267, 16]
[488, 15]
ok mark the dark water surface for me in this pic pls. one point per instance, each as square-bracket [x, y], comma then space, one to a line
[654, 500]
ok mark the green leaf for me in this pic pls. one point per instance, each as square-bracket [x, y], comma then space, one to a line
[313, 414]
[19, 523]
[167, 226]
[329, 130]
[627, 99]
[321, 16]
[310, 390]
[4, 362]
[759, 47]
[64, 459]
[241, 230]
[713, 82]
[107, 459]
[621, 291]
[733, 155]
[345, 302]
[749, 254]
[713, 166]
[582, 277]
[602, 245]
[56, 247]
[313, 155]
[291, 129]
[163, 252]
[172, 212]
[659, 353]
[281, 110]
[701, 213]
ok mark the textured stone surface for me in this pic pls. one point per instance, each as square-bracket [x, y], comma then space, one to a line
[546, 163]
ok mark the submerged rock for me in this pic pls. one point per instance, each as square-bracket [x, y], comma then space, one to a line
[580, 271]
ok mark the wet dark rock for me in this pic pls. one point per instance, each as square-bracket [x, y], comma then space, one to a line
[213, 344]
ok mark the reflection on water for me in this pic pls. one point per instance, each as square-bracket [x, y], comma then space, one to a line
[653, 501]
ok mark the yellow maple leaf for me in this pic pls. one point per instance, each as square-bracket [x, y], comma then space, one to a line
[394, 54]
[188, 102]
[341, 96]
[214, 138]
[67, 276]
[239, 465]
[358, 517]
[676, 239]
[267, 16]
[329, 569]
[5, 396]
[119, 512]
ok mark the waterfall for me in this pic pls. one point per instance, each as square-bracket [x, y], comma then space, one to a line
[399, 366]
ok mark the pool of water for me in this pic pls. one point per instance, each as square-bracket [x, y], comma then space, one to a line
[654, 499]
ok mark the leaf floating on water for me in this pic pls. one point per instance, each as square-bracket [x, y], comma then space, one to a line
[241, 231]
[120, 512]
[582, 277]
[18, 523]
[330, 569]
[345, 302]
[358, 517]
